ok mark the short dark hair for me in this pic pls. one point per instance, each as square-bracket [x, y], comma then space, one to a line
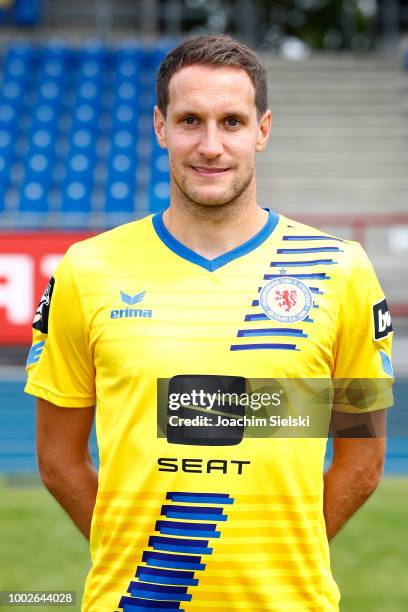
[213, 50]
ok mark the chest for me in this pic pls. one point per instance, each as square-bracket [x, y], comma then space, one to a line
[160, 322]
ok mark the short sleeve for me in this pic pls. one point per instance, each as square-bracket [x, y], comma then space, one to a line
[60, 366]
[362, 358]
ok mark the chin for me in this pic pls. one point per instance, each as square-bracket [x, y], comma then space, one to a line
[210, 202]
[214, 198]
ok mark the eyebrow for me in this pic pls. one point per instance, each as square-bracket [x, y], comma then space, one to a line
[186, 113]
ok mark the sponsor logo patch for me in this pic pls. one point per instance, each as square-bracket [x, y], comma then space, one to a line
[382, 320]
[131, 299]
[286, 299]
[40, 321]
[129, 312]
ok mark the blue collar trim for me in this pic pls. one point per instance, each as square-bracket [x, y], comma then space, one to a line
[213, 264]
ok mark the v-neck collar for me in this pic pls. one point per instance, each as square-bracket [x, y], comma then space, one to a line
[213, 264]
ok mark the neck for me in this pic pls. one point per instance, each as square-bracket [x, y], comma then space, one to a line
[213, 230]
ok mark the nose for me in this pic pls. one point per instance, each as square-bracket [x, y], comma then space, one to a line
[210, 144]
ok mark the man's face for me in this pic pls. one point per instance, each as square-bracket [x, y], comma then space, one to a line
[211, 132]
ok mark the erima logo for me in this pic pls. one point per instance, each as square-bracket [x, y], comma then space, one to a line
[131, 313]
[382, 320]
[132, 299]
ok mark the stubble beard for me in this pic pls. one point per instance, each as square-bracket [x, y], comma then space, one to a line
[235, 198]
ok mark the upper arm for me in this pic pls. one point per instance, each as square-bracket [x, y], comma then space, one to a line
[60, 364]
[62, 434]
[364, 329]
[362, 371]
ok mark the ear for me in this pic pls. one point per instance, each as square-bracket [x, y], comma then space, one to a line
[160, 127]
[264, 130]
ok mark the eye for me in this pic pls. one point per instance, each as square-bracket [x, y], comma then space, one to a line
[190, 120]
[233, 122]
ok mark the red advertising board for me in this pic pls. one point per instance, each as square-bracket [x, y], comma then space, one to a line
[27, 261]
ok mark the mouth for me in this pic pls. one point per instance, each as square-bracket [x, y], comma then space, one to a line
[213, 172]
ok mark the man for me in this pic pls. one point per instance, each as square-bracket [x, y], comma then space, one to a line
[214, 292]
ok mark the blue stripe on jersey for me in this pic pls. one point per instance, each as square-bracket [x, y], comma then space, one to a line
[163, 576]
[312, 262]
[184, 542]
[195, 530]
[143, 608]
[216, 512]
[159, 592]
[175, 561]
[250, 347]
[198, 527]
[188, 532]
[206, 498]
[316, 290]
[315, 276]
[262, 317]
[136, 602]
[310, 250]
[386, 364]
[312, 238]
[164, 585]
[163, 580]
[256, 317]
[283, 331]
[202, 516]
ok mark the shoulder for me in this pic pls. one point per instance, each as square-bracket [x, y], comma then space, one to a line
[115, 244]
[308, 239]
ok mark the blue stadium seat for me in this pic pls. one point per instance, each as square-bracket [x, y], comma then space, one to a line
[76, 197]
[123, 142]
[159, 196]
[8, 140]
[120, 196]
[33, 198]
[8, 115]
[159, 190]
[38, 169]
[27, 12]
[5, 166]
[76, 125]
[121, 182]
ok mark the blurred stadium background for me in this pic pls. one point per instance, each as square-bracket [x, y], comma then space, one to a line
[78, 155]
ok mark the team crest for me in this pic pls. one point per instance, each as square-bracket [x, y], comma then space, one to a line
[286, 299]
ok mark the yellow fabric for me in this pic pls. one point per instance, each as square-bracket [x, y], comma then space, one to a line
[272, 553]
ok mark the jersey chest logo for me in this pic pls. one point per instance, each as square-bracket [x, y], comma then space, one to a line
[129, 312]
[286, 299]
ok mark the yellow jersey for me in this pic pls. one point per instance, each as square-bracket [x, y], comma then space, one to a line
[188, 521]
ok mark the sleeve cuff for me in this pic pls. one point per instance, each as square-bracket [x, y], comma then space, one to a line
[59, 399]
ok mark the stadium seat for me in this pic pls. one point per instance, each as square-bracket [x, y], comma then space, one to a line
[33, 198]
[27, 12]
[76, 129]
[76, 197]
